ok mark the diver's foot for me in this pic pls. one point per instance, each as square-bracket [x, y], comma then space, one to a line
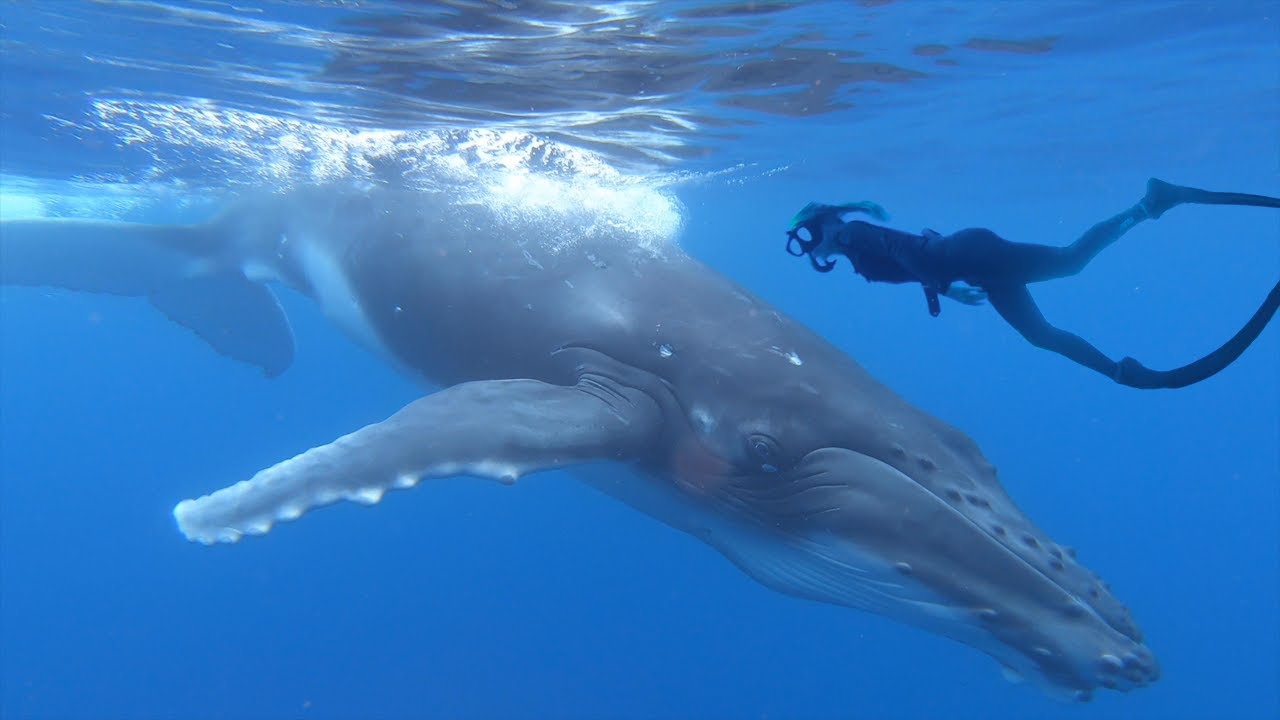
[1131, 373]
[1162, 197]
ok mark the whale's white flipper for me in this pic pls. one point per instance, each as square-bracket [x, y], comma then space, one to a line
[498, 429]
[182, 269]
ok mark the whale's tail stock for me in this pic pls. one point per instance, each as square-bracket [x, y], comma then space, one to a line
[183, 270]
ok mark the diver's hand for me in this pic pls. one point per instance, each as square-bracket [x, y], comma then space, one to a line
[966, 294]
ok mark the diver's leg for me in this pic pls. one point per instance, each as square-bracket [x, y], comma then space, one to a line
[1096, 239]
[1070, 260]
[1009, 262]
[1016, 306]
[984, 258]
[1162, 197]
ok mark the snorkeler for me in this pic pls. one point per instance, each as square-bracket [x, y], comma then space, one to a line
[998, 270]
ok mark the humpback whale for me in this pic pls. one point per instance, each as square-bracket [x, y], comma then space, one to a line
[636, 368]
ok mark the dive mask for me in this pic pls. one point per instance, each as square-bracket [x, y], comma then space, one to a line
[812, 217]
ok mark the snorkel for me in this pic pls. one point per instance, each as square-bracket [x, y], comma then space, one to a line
[812, 217]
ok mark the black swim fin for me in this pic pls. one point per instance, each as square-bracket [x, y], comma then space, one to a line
[1162, 197]
[1136, 375]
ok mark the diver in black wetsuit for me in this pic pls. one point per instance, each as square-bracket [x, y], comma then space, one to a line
[999, 270]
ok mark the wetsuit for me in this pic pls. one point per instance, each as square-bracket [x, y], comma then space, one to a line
[1003, 269]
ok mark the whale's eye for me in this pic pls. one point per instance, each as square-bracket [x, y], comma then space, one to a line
[765, 450]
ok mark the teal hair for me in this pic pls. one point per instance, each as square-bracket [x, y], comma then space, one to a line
[817, 212]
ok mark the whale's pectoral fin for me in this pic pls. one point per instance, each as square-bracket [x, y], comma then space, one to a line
[183, 269]
[497, 429]
[239, 318]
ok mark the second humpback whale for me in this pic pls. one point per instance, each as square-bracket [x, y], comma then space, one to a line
[642, 371]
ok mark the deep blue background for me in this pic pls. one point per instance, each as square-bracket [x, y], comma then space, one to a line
[466, 599]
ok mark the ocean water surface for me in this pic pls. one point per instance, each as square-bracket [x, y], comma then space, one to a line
[700, 123]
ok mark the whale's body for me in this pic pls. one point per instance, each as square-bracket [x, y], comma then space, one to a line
[649, 375]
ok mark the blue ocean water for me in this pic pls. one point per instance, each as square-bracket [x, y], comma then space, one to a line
[713, 122]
